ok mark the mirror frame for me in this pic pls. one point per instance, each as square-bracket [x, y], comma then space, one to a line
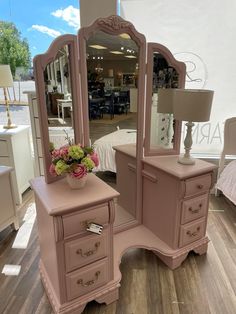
[40, 62]
[181, 70]
[115, 25]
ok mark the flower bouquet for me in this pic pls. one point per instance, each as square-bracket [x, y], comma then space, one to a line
[75, 161]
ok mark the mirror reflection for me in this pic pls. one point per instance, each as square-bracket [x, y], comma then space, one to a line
[112, 69]
[162, 122]
[58, 92]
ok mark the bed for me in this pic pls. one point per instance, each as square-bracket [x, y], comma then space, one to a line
[104, 147]
[226, 179]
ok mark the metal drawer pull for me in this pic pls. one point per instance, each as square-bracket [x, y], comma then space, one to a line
[90, 282]
[86, 223]
[196, 210]
[200, 186]
[193, 234]
[89, 252]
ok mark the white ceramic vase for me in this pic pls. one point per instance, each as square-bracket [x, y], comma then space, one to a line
[76, 183]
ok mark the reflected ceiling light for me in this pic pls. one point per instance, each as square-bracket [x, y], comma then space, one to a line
[97, 47]
[117, 52]
[122, 48]
[131, 57]
[125, 36]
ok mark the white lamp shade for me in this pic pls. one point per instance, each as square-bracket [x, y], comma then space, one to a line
[6, 79]
[165, 100]
[192, 104]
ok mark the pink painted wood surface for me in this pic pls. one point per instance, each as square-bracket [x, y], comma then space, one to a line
[59, 269]
[59, 199]
[142, 237]
[171, 165]
[40, 63]
[181, 70]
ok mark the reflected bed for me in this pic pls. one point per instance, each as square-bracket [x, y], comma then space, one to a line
[104, 147]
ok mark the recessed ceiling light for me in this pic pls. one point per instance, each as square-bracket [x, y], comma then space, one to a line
[131, 57]
[117, 52]
[125, 36]
[97, 47]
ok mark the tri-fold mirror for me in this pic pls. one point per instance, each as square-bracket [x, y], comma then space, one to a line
[92, 88]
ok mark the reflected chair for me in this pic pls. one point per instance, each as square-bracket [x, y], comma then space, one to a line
[108, 106]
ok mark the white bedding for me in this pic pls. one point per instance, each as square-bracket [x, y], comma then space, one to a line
[103, 147]
[227, 181]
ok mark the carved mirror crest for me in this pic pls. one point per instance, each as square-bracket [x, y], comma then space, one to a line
[112, 63]
[58, 97]
[162, 132]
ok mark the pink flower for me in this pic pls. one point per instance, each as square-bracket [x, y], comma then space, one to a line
[63, 152]
[52, 170]
[79, 172]
[94, 158]
[55, 154]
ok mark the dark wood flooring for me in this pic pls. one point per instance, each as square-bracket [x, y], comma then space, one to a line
[203, 284]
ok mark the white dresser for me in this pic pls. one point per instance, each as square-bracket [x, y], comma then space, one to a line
[34, 120]
[15, 152]
[8, 209]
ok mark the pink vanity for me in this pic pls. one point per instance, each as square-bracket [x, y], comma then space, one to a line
[157, 204]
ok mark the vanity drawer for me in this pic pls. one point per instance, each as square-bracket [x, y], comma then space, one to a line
[3, 148]
[86, 279]
[77, 222]
[191, 232]
[85, 250]
[194, 208]
[197, 185]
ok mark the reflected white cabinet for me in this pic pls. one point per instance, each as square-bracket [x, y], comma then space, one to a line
[36, 135]
[15, 152]
[8, 209]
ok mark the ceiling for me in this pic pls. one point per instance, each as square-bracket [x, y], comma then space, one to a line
[112, 43]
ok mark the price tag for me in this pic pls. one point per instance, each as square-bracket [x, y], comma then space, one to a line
[95, 228]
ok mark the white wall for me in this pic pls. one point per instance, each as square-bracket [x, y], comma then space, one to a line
[202, 34]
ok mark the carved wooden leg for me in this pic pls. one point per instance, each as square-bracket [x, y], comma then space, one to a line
[201, 249]
[171, 261]
[109, 297]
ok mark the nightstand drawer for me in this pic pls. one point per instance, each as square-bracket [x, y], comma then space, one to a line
[78, 222]
[85, 250]
[86, 279]
[197, 185]
[194, 208]
[191, 232]
[3, 148]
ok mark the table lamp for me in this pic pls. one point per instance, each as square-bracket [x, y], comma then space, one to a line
[192, 105]
[165, 100]
[6, 81]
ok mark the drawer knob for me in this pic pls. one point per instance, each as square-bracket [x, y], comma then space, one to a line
[89, 252]
[200, 186]
[89, 282]
[194, 233]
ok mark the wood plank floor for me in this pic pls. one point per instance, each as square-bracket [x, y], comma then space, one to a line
[203, 284]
